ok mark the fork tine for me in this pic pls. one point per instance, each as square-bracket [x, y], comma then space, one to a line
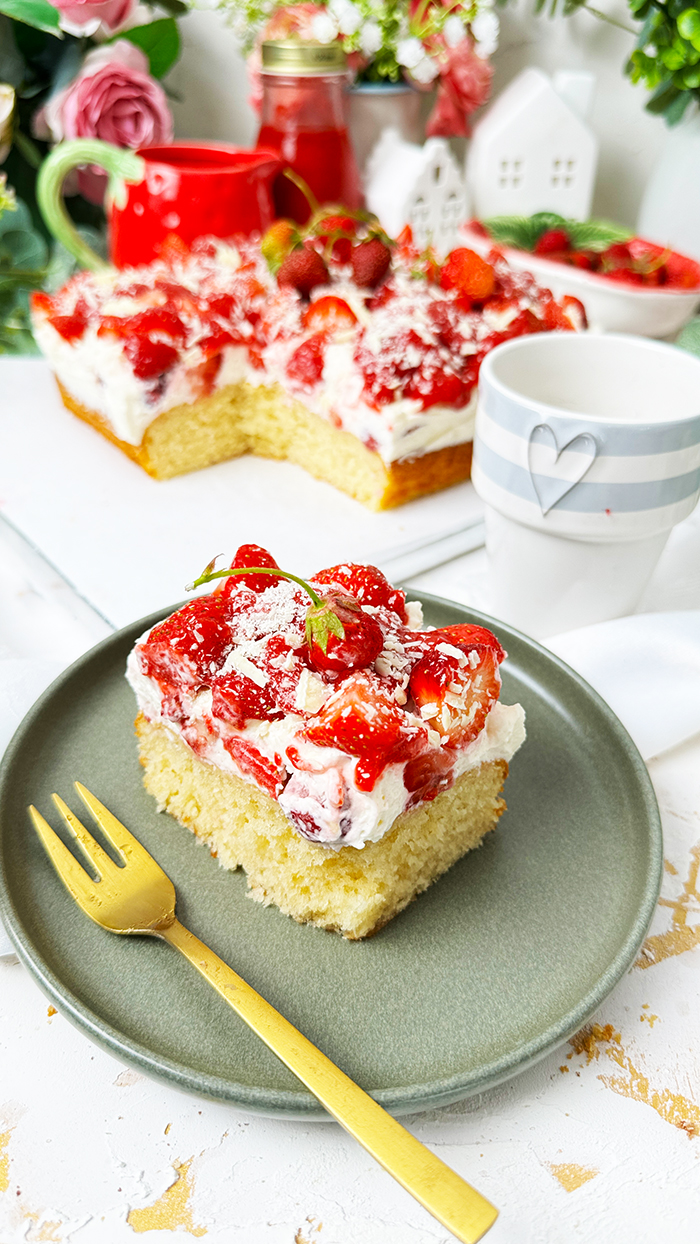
[72, 874]
[90, 847]
[121, 839]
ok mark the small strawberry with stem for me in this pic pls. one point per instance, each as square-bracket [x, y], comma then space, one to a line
[340, 636]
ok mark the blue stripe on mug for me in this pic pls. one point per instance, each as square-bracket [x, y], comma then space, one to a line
[615, 440]
[586, 498]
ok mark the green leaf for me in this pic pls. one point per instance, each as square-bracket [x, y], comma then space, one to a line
[512, 231]
[689, 26]
[23, 249]
[321, 623]
[37, 13]
[596, 235]
[676, 109]
[18, 218]
[177, 8]
[159, 40]
[663, 97]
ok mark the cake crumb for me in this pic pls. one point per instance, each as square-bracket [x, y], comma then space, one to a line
[588, 1040]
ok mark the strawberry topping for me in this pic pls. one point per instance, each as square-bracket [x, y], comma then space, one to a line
[359, 645]
[367, 584]
[363, 719]
[329, 314]
[190, 646]
[250, 555]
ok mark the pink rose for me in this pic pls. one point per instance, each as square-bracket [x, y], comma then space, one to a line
[83, 17]
[465, 83]
[113, 98]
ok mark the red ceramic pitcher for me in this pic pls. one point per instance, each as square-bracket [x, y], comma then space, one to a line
[182, 190]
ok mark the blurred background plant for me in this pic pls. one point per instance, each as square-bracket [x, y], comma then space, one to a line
[666, 58]
[73, 69]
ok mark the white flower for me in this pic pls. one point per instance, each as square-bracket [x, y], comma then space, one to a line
[454, 30]
[370, 38]
[409, 52]
[425, 71]
[484, 28]
[347, 15]
[324, 29]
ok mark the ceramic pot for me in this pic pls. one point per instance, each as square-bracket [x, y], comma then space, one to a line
[377, 106]
[670, 211]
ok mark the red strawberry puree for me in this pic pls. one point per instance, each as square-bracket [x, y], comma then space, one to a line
[385, 344]
[346, 739]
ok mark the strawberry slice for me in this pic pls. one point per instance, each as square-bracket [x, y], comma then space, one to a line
[306, 363]
[149, 358]
[238, 699]
[268, 773]
[468, 273]
[427, 775]
[70, 327]
[190, 646]
[367, 584]
[455, 693]
[363, 719]
[329, 314]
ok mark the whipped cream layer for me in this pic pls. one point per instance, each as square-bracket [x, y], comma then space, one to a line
[318, 786]
[400, 377]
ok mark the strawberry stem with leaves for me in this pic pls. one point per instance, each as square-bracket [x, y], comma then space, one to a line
[321, 619]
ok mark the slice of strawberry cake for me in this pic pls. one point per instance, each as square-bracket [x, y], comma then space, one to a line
[315, 734]
[353, 357]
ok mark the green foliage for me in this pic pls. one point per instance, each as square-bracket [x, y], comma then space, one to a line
[666, 58]
[28, 262]
[524, 232]
[159, 40]
[37, 13]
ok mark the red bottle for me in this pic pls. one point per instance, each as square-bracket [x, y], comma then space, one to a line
[303, 118]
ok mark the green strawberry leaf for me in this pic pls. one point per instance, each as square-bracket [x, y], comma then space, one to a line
[37, 13]
[159, 40]
[596, 235]
[321, 623]
[515, 231]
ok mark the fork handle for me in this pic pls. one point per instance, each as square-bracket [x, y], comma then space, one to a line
[447, 1196]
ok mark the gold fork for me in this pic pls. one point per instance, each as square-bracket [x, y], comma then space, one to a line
[138, 897]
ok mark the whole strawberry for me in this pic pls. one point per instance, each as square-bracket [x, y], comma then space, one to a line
[552, 241]
[370, 262]
[277, 242]
[355, 648]
[303, 270]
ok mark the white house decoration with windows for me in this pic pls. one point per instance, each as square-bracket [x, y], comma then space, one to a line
[532, 151]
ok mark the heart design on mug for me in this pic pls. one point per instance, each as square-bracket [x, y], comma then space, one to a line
[554, 471]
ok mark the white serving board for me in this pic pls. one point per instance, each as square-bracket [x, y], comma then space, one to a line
[129, 544]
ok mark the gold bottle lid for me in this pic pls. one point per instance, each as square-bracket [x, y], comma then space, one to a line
[295, 57]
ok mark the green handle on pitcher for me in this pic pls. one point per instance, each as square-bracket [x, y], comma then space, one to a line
[122, 165]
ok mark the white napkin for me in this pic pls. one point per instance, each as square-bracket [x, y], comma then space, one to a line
[21, 683]
[647, 667]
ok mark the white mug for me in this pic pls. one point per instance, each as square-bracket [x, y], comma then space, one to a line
[586, 453]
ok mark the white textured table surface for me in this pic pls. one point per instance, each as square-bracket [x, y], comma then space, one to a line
[600, 1141]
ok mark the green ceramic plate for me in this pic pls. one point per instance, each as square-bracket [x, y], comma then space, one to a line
[488, 971]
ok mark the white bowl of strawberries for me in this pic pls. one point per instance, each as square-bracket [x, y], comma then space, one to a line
[626, 284]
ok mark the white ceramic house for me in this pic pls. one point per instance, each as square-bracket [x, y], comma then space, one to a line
[419, 186]
[532, 151]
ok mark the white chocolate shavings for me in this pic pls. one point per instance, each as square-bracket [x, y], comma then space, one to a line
[311, 692]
